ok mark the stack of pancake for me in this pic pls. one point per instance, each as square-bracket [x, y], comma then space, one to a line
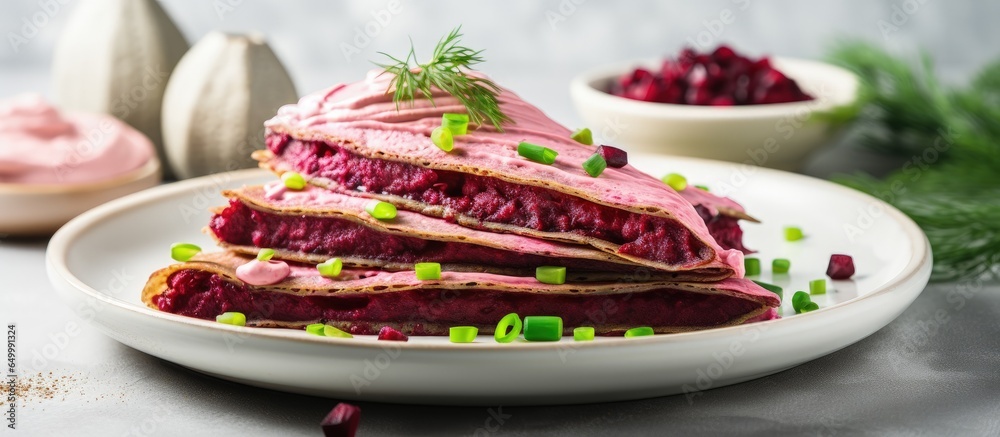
[636, 251]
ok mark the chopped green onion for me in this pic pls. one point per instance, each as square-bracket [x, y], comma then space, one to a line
[458, 124]
[752, 266]
[183, 251]
[772, 288]
[463, 334]
[817, 286]
[512, 321]
[381, 210]
[780, 265]
[326, 331]
[537, 153]
[551, 275]
[543, 328]
[330, 268]
[232, 318]
[811, 306]
[676, 181]
[331, 331]
[293, 180]
[442, 138]
[702, 187]
[641, 331]
[428, 271]
[315, 329]
[595, 165]
[583, 136]
[583, 333]
[265, 255]
[793, 233]
[799, 300]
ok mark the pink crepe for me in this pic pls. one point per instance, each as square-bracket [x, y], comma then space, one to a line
[314, 224]
[362, 301]
[363, 118]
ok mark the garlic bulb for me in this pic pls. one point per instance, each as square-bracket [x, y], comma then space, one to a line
[115, 57]
[216, 103]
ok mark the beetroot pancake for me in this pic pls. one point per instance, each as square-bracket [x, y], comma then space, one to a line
[352, 139]
[313, 225]
[362, 301]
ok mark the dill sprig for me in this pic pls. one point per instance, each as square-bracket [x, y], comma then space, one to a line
[447, 70]
[949, 185]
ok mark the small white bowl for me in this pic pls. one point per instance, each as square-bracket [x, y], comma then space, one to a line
[779, 135]
[40, 209]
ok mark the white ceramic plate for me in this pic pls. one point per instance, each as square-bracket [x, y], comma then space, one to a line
[100, 260]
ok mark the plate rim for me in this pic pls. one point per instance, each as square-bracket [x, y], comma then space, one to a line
[57, 253]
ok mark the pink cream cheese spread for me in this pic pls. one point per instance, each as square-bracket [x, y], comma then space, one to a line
[258, 272]
[41, 145]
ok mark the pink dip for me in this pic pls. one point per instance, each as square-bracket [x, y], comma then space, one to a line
[40, 145]
[263, 272]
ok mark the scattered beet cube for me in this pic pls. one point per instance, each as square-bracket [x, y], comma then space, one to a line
[391, 334]
[615, 157]
[720, 78]
[342, 421]
[841, 267]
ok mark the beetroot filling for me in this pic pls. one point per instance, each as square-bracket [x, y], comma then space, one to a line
[241, 225]
[493, 200]
[725, 229]
[204, 295]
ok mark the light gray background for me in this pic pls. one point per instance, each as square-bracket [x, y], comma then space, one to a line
[525, 51]
[915, 377]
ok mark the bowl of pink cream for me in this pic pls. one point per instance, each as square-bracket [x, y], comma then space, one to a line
[55, 165]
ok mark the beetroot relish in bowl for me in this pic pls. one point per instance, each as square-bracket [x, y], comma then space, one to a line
[720, 78]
